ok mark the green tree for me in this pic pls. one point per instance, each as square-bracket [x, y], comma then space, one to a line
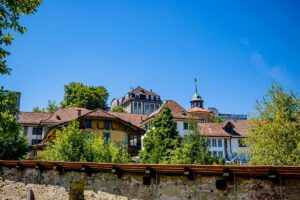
[80, 95]
[194, 150]
[161, 139]
[118, 109]
[275, 129]
[13, 145]
[10, 12]
[73, 144]
[217, 120]
[51, 107]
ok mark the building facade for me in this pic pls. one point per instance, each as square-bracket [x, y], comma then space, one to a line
[121, 128]
[228, 116]
[225, 139]
[138, 101]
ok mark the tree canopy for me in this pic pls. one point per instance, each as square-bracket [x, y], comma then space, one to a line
[51, 107]
[194, 150]
[161, 139]
[275, 129]
[74, 144]
[89, 97]
[10, 12]
[118, 109]
[13, 144]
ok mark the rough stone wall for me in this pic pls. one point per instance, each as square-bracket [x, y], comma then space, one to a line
[15, 184]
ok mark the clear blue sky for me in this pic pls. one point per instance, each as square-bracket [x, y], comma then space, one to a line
[234, 48]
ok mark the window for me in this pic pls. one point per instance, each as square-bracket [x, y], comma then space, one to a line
[214, 153]
[88, 124]
[208, 142]
[135, 111]
[107, 125]
[151, 107]
[214, 142]
[139, 107]
[133, 140]
[202, 120]
[219, 143]
[185, 126]
[106, 138]
[220, 154]
[37, 131]
[34, 141]
[147, 111]
[137, 96]
[25, 130]
[156, 106]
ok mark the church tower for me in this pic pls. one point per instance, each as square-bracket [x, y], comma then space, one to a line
[196, 101]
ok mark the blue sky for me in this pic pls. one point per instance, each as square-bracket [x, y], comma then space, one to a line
[234, 48]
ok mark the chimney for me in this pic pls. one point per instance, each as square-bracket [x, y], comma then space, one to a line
[79, 112]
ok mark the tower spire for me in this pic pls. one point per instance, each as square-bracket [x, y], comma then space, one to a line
[196, 88]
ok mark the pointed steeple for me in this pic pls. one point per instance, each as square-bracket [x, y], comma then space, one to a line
[196, 99]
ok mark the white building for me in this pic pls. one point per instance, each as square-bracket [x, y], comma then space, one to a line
[225, 139]
[36, 125]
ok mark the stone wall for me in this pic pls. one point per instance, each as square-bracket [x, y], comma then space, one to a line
[50, 184]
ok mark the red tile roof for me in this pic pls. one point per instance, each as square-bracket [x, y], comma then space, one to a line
[140, 90]
[177, 111]
[65, 114]
[32, 117]
[196, 109]
[240, 129]
[135, 119]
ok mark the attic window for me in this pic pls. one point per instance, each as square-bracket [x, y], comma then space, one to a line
[58, 117]
[183, 113]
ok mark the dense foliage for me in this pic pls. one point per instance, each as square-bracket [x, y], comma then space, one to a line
[217, 120]
[10, 12]
[275, 132]
[80, 95]
[118, 109]
[13, 144]
[73, 144]
[163, 144]
[161, 139]
[51, 107]
[194, 150]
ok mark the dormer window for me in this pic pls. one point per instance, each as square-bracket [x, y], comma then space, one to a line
[58, 117]
[183, 113]
[229, 128]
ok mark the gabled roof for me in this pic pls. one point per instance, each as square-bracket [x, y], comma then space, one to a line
[177, 111]
[65, 114]
[135, 119]
[101, 114]
[32, 117]
[240, 128]
[140, 90]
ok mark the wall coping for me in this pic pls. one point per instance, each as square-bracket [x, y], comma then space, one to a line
[92, 167]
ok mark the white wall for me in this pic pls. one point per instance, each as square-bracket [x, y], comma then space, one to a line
[180, 128]
[30, 136]
[235, 150]
[217, 148]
